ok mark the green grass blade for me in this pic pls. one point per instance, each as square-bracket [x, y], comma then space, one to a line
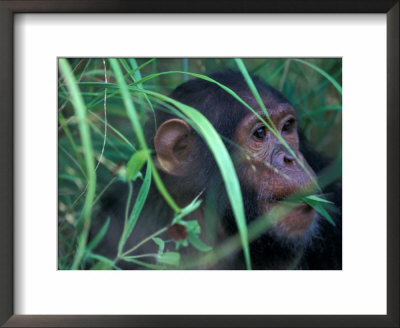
[253, 89]
[80, 110]
[65, 127]
[119, 134]
[136, 72]
[138, 68]
[73, 160]
[137, 76]
[101, 193]
[130, 108]
[316, 205]
[96, 240]
[138, 129]
[137, 209]
[135, 164]
[318, 199]
[322, 72]
[198, 243]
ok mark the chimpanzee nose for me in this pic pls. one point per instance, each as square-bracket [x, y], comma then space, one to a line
[288, 159]
[281, 157]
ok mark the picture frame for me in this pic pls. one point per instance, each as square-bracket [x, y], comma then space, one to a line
[7, 11]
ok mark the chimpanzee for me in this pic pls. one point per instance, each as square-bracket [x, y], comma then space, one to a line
[268, 174]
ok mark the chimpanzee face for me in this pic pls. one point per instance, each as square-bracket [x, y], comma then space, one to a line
[271, 170]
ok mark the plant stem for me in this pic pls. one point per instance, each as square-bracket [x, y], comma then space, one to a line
[141, 255]
[159, 232]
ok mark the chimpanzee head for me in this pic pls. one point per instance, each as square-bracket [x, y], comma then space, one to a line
[268, 160]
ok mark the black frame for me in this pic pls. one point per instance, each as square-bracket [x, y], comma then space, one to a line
[7, 10]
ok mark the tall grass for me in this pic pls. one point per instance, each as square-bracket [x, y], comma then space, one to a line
[90, 159]
[86, 140]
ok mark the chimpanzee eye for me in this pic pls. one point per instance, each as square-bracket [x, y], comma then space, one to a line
[287, 126]
[260, 132]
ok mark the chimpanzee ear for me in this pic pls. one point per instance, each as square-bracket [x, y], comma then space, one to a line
[173, 144]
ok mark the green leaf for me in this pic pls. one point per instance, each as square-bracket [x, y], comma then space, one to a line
[317, 199]
[140, 200]
[160, 243]
[137, 208]
[180, 243]
[317, 205]
[100, 235]
[170, 258]
[136, 76]
[192, 226]
[198, 244]
[187, 210]
[136, 163]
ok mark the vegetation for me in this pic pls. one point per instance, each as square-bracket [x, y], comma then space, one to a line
[104, 106]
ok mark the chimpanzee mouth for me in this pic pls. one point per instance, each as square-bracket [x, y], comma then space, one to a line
[292, 219]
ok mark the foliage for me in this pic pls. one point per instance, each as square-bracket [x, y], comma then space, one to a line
[104, 106]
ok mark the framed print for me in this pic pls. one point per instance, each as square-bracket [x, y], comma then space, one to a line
[108, 70]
